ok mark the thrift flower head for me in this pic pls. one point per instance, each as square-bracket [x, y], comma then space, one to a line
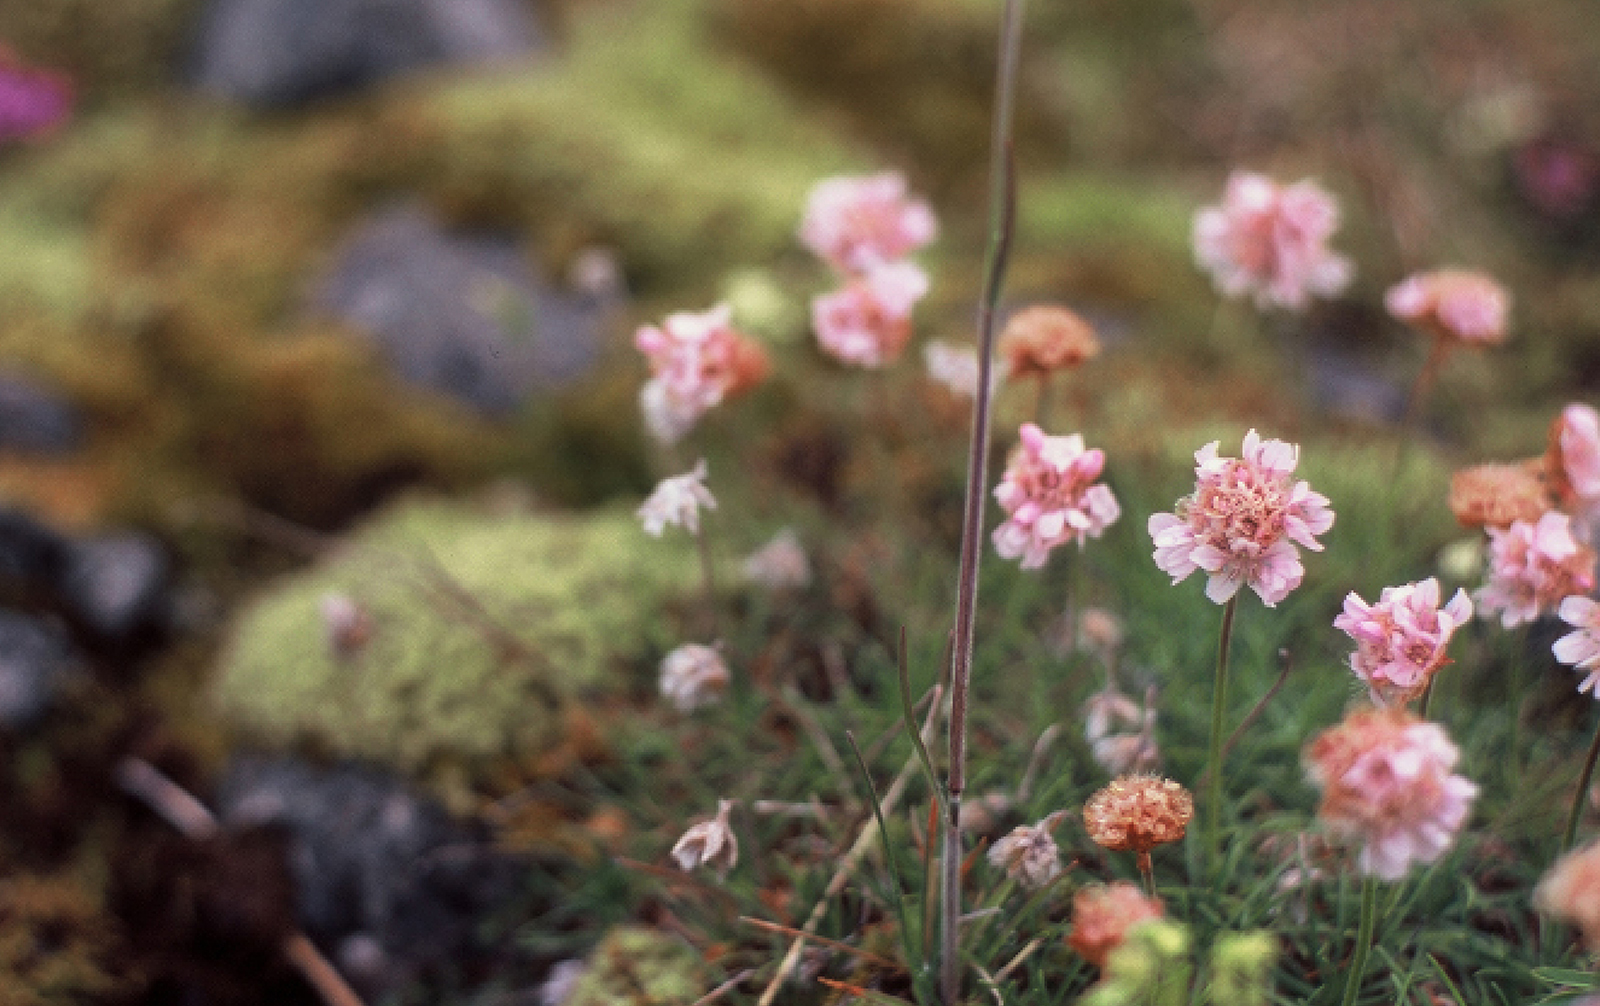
[1497, 495]
[709, 843]
[1103, 915]
[857, 223]
[1572, 464]
[1571, 891]
[956, 367]
[868, 321]
[1040, 340]
[1242, 523]
[693, 676]
[1028, 854]
[1271, 242]
[1532, 567]
[1136, 813]
[1386, 786]
[1050, 497]
[696, 360]
[1456, 304]
[1581, 649]
[1121, 734]
[1401, 640]
[780, 563]
[32, 102]
[677, 500]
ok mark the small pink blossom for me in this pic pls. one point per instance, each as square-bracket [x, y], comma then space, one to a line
[780, 563]
[1029, 854]
[1271, 242]
[1572, 465]
[694, 676]
[696, 360]
[1242, 522]
[1401, 640]
[867, 322]
[347, 624]
[1532, 567]
[1570, 891]
[677, 501]
[33, 102]
[956, 367]
[855, 224]
[709, 843]
[1121, 735]
[1386, 786]
[1581, 649]
[1458, 304]
[1050, 496]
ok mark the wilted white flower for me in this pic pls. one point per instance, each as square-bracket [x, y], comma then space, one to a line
[956, 367]
[693, 676]
[779, 563]
[709, 843]
[1029, 854]
[1121, 735]
[562, 982]
[677, 500]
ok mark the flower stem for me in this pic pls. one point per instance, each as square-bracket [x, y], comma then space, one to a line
[1579, 797]
[1147, 871]
[1369, 922]
[1427, 698]
[709, 576]
[1219, 705]
[1002, 213]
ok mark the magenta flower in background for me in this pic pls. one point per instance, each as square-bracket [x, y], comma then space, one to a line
[1271, 242]
[696, 360]
[1581, 649]
[1401, 640]
[1458, 304]
[1050, 497]
[677, 501]
[1242, 522]
[868, 321]
[857, 223]
[32, 102]
[1532, 568]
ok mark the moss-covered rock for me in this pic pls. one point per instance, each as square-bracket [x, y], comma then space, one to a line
[635, 965]
[481, 630]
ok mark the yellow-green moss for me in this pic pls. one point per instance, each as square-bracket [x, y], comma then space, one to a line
[634, 965]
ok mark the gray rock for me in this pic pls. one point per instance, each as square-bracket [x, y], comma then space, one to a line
[32, 555]
[35, 419]
[271, 53]
[464, 315]
[35, 660]
[116, 585]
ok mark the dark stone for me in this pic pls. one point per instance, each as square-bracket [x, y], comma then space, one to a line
[32, 556]
[37, 420]
[35, 660]
[271, 53]
[464, 315]
[116, 585]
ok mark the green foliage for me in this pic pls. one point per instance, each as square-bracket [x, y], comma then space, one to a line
[635, 965]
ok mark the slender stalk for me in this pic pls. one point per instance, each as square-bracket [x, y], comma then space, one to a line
[1438, 350]
[1147, 871]
[708, 575]
[1002, 211]
[1219, 706]
[1041, 404]
[1427, 698]
[1578, 798]
[1369, 921]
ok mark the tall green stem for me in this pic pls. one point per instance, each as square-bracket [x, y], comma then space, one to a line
[1369, 922]
[1219, 706]
[1579, 797]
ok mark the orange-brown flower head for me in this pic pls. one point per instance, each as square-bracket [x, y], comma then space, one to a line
[1102, 916]
[1137, 813]
[1040, 340]
[1571, 891]
[1498, 495]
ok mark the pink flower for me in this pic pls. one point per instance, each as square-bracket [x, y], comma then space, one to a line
[868, 322]
[1102, 917]
[677, 501]
[857, 223]
[1571, 891]
[33, 102]
[1581, 649]
[709, 843]
[696, 360]
[1271, 242]
[1386, 785]
[1532, 567]
[956, 367]
[1029, 854]
[1242, 522]
[1572, 465]
[1401, 640]
[694, 676]
[1051, 497]
[1458, 304]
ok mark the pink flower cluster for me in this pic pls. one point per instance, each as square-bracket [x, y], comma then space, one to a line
[1459, 304]
[1581, 649]
[696, 360]
[1532, 567]
[1387, 786]
[1242, 522]
[1401, 640]
[1050, 496]
[863, 228]
[1271, 242]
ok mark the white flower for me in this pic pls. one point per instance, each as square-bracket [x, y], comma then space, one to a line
[779, 563]
[956, 367]
[693, 676]
[709, 843]
[677, 501]
[1029, 854]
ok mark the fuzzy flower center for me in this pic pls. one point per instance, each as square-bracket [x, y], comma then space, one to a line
[1241, 510]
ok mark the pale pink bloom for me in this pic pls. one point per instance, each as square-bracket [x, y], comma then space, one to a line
[677, 501]
[1029, 854]
[857, 223]
[1121, 734]
[1456, 304]
[693, 676]
[1572, 466]
[867, 322]
[709, 843]
[1401, 640]
[1242, 522]
[1571, 891]
[1103, 915]
[1581, 649]
[780, 563]
[696, 360]
[1050, 497]
[1271, 242]
[346, 623]
[1387, 786]
[1532, 567]
[956, 367]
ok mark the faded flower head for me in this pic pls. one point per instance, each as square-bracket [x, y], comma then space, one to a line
[1100, 631]
[1271, 242]
[1121, 734]
[857, 223]
[1050, 497]
[1571, 891]
[780, 563]
[1457, 304]
[693, 676]
[1040, 340]
[1572, 464]
[1242, 523]
[1103, 915]
[1136, 813]
[1581, 649]
[1029, 854]
[1401, 640]
[1498, 495]
[956, 367]
[1532, 567]
[677, 501]
[709, 843]
[696, 360]
[867, 322]
[346, 623]
[1386, 786]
